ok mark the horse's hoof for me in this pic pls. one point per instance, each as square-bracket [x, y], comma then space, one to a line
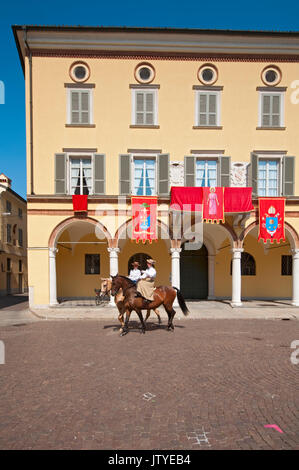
[123, 333]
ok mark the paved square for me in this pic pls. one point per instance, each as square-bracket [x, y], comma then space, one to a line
[78, 385]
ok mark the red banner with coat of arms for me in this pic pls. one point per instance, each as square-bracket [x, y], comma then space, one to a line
[144, 217]
[271, 214]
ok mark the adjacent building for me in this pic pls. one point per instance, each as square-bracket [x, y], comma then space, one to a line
[134, 111]
[13, 240]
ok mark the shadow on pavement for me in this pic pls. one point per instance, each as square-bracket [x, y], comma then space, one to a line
[12, 300]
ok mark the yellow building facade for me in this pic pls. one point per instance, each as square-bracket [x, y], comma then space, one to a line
[116, 112]
[13, 240]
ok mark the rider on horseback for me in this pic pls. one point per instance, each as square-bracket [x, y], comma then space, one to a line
[146, 285]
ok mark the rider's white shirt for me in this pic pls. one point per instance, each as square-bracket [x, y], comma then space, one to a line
[149, 272]
[135, 274]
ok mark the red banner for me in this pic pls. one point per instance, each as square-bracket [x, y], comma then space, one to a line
[213, 205]
[271, 214]
[144, 217]
[80, 202]
[235, 199]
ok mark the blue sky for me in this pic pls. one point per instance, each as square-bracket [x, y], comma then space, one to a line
[254, 15]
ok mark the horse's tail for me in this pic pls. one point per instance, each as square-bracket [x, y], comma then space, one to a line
[182, 302]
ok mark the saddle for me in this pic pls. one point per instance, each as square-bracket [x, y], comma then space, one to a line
[139, 295]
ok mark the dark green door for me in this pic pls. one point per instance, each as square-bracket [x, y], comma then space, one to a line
[194, 273]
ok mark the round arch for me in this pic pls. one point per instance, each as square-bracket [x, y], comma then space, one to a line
[291, 232]
[56, 232]
[124, 227]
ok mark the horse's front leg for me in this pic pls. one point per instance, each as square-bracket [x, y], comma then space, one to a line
[148, 312]
[121, 320]
[126, 324]
[158, 315]
[139, 313]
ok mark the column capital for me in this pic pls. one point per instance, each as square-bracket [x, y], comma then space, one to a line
[52, 252]
[237, 250]
[113, 250]
[295, 253]
[175, 250]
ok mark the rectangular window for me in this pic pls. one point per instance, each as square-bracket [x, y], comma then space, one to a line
[268, 177]
[20, 213]
[206, 172]
[20, 238]
[92, 264]
[271, 107]
[207, 108]
[20, 266]
[8, 233]
[286, 265]
[81, 175]
[8, 265]
[80, 103]
[8, 207]
[144, 107]
[144, 177]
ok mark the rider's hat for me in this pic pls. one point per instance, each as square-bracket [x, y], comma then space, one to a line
[150, 260]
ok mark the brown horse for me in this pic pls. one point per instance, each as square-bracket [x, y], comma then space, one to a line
[133, 301]
[106, 285]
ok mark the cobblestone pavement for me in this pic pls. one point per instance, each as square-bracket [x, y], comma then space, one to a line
[208, 385]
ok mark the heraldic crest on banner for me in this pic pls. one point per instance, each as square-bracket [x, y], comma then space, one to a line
[271, 212]
[144, 217]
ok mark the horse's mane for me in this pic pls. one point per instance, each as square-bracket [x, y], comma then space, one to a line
[132, 284]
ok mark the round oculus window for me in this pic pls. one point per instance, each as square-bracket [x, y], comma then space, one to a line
[79, 72]
[144, 73]
[207, 74]
[271, 76]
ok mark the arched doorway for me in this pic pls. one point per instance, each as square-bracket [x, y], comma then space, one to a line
[141, 258]
[194, 273]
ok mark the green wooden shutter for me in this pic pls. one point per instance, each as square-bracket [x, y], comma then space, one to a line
[163, 174]
[60, 173]
[288, 172]
[99, 173]
[189, 170]
[253, 174]
[224, 171]
[125, 174]
[140, 105]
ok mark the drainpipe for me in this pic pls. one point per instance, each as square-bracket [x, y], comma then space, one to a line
[30, 109]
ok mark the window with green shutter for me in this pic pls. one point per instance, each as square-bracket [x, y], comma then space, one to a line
[144, 107]
[79, 106]
[271, 109]
[207, 108]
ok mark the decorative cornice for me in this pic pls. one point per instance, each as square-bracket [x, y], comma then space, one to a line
[216, 57]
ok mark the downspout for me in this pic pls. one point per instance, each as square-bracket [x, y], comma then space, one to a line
[30, 109]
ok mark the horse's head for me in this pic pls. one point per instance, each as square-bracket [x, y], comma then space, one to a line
[116, 284]
[105, 286]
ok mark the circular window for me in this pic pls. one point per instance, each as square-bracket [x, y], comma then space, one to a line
[207, 74]
[79, 72]
[144, 73]
[271, 75]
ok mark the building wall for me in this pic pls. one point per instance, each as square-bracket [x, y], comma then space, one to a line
[112, 135]
[12, 250]
[176, 109]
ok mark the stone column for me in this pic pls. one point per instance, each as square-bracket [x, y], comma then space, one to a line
[113, 257]
[175, 270]
[295, 269]
[211, 277]
[52, 277]
[236, 277]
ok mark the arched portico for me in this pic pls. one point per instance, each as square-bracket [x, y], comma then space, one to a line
[77, 254]
[271, 266]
